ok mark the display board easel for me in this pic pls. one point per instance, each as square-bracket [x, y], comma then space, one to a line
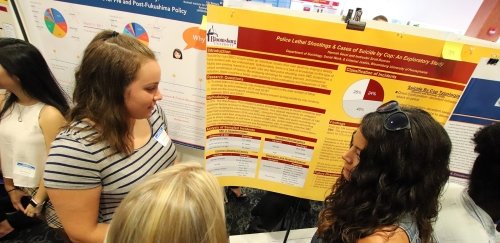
[285, 92]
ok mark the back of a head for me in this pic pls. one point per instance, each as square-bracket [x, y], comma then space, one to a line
[183, 203]
[417, 159]
[24, 61]
[401, 172]
[422, 153]
[485, 174]
[380, 18]
[407, 168]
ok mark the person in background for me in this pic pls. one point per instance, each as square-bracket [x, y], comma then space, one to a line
[380, 18]
[116, 135]
[235, 193]
[31, 114]
[183, 203]
[393, 174]
[469, 214]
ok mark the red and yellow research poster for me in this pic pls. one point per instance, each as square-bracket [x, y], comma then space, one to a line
[284, 94]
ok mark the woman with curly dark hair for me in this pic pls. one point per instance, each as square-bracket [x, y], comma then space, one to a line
[391, 180]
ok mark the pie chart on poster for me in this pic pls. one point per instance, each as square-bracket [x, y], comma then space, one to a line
[363, 96]
[136, 30]
[55, 22]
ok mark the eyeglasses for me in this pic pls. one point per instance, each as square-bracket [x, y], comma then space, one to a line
[396, 119]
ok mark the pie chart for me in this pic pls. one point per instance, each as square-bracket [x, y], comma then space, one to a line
[136, 30]
[55, 22]
[362, 97]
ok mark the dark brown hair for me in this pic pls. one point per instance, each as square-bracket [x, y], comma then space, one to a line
[400, 174]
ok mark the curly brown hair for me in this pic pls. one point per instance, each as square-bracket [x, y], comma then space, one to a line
[400, 174]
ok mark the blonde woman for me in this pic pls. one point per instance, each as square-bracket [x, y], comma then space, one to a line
[183, 203]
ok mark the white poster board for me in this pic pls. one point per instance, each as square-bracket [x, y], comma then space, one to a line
[62, 29]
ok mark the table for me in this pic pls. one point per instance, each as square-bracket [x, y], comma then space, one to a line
[295, 236]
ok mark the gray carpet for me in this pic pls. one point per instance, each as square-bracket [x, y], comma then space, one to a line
[238, 213]
[238, 217]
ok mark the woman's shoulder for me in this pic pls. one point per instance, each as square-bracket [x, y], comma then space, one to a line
[77, 138]
[77, 130]
[386, 235]
[51, 115]
[49, 110]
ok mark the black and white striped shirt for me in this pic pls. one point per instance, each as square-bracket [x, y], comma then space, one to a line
[76, 163]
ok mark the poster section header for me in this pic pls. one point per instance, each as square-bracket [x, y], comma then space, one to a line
[188, 11]
[356, 54]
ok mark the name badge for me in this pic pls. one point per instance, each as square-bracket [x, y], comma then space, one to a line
[25, 169]
[161, 136]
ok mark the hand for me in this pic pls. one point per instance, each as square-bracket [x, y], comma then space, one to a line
[31, 211]
[15, 197]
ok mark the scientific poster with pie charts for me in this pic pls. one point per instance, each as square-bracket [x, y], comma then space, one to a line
[62, 29]
[285, 93]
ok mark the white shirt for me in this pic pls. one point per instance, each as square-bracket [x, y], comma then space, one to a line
[22, 145]
[461, 220]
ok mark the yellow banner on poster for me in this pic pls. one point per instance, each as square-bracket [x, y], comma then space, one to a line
[4, 1]
[284, 95]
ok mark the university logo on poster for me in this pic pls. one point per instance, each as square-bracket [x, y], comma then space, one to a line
[221, 35]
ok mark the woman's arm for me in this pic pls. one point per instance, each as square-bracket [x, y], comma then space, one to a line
[78, 211]
[40, 197]
[15, 194]
[50, 121]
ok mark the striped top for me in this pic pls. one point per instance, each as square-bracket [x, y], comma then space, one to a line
[76, 163]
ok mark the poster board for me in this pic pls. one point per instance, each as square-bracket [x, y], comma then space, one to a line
[62, 29]
[478, 106]
[285, 93]
[9, 27]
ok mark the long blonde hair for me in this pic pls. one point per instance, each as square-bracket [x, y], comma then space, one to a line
[183, 203]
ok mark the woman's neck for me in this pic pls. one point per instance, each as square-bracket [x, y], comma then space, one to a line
[23, 98]
[131, 125]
